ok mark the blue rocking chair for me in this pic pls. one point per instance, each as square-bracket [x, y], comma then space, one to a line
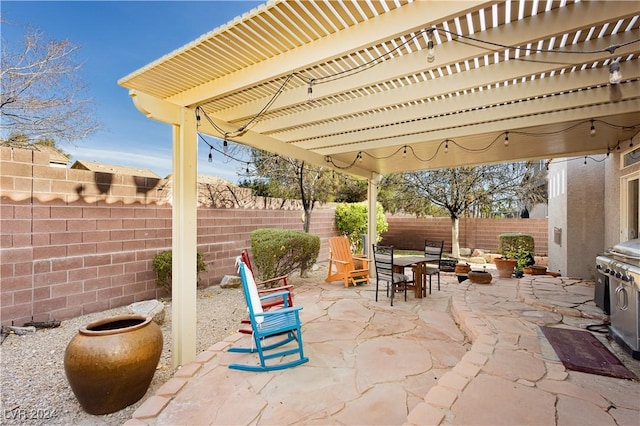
[280, 326]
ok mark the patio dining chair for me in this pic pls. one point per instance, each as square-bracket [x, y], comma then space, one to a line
[265, 287]
[383, 261]
[272, 331]
[433, 251]
[344, 263]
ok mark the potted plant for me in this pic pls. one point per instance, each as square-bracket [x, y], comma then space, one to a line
[523, 259]
[516, 249]
[505, 265]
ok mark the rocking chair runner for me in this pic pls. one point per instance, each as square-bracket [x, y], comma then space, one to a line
[281, 326]
[343, 260]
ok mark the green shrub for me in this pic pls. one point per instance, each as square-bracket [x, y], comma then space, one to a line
[352, 219]
[515, 243]
[162, 266]
[278, 252]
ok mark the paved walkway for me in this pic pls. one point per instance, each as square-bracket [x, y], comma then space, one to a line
[467, 355]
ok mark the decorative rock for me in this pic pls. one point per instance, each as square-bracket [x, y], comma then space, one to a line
[230, 281]
[465, 252]
[21, 331]
[149, 308]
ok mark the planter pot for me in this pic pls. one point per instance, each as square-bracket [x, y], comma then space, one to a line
[538, 270]
[462, 268]
[505, 267]
[110, 362]
[480, 277]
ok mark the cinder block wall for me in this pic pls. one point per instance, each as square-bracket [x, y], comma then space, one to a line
[74, 242]
[409, 233]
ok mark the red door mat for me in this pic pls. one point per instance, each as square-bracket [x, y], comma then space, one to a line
[581, 351]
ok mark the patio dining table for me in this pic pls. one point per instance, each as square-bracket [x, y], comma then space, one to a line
[418, 265]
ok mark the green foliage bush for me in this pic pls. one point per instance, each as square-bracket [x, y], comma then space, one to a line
[352, 219]
[162, 266]
[278, 252]
[514, 243]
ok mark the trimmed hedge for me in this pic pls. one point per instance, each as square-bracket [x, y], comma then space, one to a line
[278, 252]
[515, 242]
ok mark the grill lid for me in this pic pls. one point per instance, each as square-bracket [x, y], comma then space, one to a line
[629, 249]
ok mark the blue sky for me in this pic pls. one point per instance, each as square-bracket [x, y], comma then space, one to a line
[115, 39]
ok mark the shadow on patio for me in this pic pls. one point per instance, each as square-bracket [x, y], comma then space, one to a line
[411, 363]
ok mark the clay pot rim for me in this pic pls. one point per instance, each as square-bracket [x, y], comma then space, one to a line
[86, 329]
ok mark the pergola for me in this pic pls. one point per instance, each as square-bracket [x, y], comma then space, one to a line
[370, 87]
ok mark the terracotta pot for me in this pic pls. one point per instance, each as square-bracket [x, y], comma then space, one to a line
[538, 270]
[505, 267]
[462, 268]
[110, 362]
[480, 277]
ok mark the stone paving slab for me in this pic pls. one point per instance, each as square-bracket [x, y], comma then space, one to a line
[411, 364]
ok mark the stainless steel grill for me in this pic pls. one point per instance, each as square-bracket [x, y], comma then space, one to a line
[619, 268]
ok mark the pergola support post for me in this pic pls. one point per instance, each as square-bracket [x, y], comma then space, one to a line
[184, 239]
[372, 197]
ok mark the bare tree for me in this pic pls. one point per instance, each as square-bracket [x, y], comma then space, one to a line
[288, 178]
[476, 191]
[42, 95]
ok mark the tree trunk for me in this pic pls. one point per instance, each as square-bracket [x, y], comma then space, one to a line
[455, 243]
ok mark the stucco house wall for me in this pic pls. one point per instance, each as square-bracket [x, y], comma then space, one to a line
[585, 209]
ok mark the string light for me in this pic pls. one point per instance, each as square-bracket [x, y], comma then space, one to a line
[406, 148]
[592, 132]
[310, 90]
[211, 154]
[431, 51]
[506, 139]
[615, 77]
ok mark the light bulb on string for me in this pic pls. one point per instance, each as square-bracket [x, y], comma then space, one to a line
[506, 139]
[446, 147]
[592, 131]
[310, 90]
[615, 77]
[585, 159]
[225, 145]
[360, 157]
[210, 154]
[404, 152]
[431, 51]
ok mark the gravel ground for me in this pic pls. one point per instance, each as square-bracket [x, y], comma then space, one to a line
[34, 388]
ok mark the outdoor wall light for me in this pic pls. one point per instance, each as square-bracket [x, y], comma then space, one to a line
[615, 77]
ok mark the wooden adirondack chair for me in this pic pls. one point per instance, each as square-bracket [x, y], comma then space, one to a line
[342, 260]
[272, 330]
